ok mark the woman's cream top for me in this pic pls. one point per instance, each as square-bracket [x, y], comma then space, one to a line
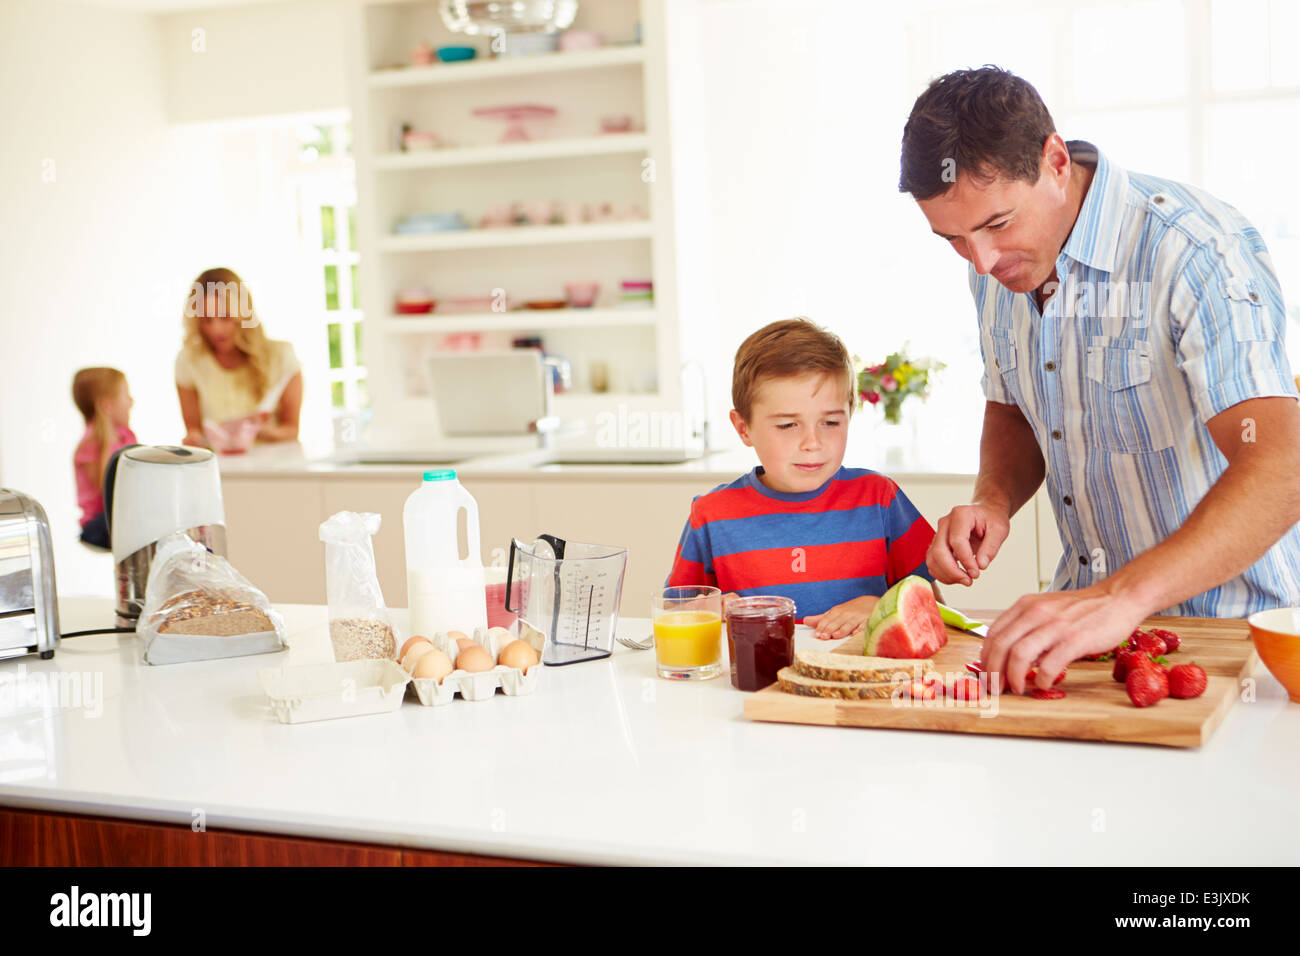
[226, 393]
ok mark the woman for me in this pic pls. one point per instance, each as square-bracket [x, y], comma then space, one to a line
[228, 370]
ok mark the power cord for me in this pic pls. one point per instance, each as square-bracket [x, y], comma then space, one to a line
[99, 630]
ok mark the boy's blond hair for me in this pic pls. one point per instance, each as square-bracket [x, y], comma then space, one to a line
[785, 349]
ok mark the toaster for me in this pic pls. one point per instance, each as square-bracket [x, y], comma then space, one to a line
[29, 610]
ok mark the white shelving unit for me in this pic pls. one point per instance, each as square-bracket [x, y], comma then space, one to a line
[567, 161]
[522, 320]
[516, 236]
[609, 145]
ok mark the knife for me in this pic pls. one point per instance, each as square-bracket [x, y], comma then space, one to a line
[960, 621]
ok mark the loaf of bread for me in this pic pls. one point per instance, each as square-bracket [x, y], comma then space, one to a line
[824, 665]
[209, 613]
[792, 682]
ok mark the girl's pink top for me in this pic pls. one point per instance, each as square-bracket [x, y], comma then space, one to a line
[89, 495]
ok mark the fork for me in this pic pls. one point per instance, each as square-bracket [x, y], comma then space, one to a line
[645, 645]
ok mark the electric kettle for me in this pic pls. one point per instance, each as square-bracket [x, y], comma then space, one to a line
[151, 491]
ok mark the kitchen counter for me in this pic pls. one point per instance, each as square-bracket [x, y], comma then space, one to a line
[296, 460]
[606, 763]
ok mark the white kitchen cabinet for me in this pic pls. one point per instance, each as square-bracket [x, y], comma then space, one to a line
[271, 536]
[1014, 572]
[273, 523]
[646, 517]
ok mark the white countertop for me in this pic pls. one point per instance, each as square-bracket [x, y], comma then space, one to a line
[606, 763]
[292, 460]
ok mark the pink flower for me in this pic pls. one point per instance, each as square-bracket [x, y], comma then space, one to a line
[871, 397]
[889, 383]
[876, 369]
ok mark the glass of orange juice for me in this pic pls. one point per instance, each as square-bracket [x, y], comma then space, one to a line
[688, 632]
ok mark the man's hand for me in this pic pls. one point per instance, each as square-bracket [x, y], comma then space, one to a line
[1049, 631]
[966, 542]
[843, 619]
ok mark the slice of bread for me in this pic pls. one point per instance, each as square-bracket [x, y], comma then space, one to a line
[825, 665]
[790, 682]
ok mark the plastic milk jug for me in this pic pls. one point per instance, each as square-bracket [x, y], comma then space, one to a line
[445, 592]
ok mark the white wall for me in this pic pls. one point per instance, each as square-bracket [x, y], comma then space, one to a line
[110, 212]
[89, 186]
[806, 104]
[261, 60]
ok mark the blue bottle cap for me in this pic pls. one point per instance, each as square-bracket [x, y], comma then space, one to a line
[442, 474]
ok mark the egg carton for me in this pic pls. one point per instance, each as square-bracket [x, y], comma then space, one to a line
[324, 691]
[483, 684]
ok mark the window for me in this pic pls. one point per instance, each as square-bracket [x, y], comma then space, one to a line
[328, 210]
[1201, 91]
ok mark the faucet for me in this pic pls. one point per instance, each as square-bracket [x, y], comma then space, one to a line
[547, 426]
[700, 427]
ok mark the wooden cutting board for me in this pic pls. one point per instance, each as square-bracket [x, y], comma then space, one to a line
[1096, 707]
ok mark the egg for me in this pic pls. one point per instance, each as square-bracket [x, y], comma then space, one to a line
[457, 636]
[474, 658]
[501, 635]
[519, 655]
[434, 665]
[463, 643]
[414, 655]
[411, 642]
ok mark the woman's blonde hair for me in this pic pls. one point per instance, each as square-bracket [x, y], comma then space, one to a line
[234, 300]
[89, 387]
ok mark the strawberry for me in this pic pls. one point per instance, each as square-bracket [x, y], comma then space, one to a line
[1172, 640]
[1146, 686]
[965, 688]
[1049, 694]
[919, 690]
[1150, 643]
[1187, 681]
[1123, 659]
[975, 667]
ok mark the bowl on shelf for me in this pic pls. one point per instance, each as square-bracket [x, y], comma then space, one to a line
[415, 141]
[456, 54]
[574, 40]
[409, 304]
[581, 295]
[616, 124]
[1276, 634]
[545, 304]
[431, 222]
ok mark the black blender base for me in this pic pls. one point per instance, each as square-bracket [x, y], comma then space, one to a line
[557, 655]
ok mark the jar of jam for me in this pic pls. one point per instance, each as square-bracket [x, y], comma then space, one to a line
[760, 639]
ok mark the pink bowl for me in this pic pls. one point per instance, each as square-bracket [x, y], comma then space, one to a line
[233, 437]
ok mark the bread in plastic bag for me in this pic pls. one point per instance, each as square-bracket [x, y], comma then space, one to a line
[360, 625]
[197, 607]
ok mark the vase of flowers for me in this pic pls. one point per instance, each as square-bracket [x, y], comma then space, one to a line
[893, 381]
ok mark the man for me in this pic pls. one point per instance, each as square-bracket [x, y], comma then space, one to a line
[1132, 335]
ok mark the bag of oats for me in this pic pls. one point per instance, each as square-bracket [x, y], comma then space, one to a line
[360, 626]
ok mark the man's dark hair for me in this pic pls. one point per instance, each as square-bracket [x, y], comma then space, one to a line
[986, 123]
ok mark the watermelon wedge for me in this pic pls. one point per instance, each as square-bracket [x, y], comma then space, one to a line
[906, 622]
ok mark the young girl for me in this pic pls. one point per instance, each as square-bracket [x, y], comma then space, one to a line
[105, 403]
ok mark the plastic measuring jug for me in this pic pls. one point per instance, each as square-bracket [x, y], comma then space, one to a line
[445, 591]
[570, 592]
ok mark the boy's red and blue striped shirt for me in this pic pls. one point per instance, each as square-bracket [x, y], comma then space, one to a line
[857, 534]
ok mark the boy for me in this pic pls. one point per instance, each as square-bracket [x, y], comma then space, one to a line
[831, 539]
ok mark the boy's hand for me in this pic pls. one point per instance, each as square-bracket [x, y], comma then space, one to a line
[726, 599]
[843, 619]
